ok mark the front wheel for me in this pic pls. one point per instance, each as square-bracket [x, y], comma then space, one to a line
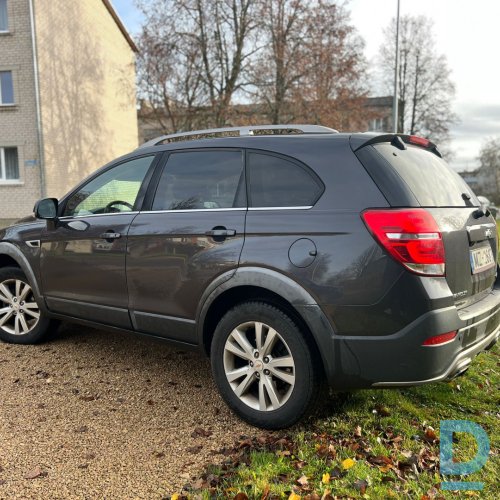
[263, 366]
[21, 320]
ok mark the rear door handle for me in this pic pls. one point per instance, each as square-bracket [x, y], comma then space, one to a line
[220, 231]
[109, 235]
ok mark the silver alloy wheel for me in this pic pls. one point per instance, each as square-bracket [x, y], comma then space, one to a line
[259, 366]
[19, 312]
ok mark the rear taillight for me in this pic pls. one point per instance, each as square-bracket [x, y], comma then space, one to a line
[411, 236]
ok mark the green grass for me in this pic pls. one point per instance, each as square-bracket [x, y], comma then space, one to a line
[396, 430]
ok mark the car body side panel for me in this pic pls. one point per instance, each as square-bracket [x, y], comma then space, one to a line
[171, 261]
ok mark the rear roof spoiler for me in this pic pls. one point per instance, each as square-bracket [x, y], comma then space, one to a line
[359, 141]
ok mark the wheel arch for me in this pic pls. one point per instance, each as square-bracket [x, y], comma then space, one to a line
[271, 287]
[11, 256]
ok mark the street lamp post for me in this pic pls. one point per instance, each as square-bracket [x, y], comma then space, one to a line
[396, 77]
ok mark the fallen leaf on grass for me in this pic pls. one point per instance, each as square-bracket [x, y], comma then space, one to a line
[430, 435]
[303, 480]
[294, 496]
[360, 485]
[357, 431]
[383, 411]
[348, 463]
[326, 478]
[336, 473]
[241, 496]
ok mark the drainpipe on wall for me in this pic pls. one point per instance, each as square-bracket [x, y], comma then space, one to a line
[37, 98]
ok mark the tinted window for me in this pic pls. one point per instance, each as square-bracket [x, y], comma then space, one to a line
[200, 180]
[431, 180]
[111, 192]
[276, 182]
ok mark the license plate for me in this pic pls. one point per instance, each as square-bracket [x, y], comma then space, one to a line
[481, 259]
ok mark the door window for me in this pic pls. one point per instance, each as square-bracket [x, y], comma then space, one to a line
[114, 191]
[194, 180]
[277, 182]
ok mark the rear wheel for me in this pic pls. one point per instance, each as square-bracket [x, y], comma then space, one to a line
[21, 320]
[263, 366]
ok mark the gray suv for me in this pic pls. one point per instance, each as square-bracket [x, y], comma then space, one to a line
[291, 255]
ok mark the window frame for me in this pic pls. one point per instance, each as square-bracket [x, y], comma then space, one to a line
[7, 30]
[155, 182]
[290, 159]
[13, 103]
[140, 195]
[3, 167]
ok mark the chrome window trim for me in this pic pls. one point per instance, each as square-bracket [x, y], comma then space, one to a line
[221, 210]
[65, 217]
[308, 207]
[241, 209]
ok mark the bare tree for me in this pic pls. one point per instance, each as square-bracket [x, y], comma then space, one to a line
[426, 90]
[193, 58]
[298, 60]
[311, 66]
[489, 158]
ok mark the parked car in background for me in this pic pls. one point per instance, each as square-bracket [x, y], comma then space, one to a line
[291, 255]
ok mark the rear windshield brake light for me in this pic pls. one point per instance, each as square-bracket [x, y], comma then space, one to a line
[411, 236]
[419, 141]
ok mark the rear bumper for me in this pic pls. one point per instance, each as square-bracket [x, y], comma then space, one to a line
[400, 360]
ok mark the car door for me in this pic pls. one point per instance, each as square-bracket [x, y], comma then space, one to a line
[191, 233]
[82, 259]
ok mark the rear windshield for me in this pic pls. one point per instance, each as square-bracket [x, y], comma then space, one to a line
[431, 180]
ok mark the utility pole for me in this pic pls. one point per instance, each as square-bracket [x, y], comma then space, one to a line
[395, 115]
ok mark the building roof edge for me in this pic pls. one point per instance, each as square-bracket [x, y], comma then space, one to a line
[120, 24]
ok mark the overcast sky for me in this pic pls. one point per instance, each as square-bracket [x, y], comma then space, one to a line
[468, 33]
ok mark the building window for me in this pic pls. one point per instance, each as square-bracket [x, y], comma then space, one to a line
[9, 164]
[4, 19]
[6, 88]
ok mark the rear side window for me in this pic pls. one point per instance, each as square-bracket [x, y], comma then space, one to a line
[431, 180]
[196, 180]
[277, 182]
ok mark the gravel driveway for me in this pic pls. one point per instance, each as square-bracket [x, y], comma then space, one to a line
[94, 414]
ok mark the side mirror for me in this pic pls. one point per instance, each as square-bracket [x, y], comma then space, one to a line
[46, 209]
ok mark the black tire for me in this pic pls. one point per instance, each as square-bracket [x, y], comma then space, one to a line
[39, 330]
[301, 396]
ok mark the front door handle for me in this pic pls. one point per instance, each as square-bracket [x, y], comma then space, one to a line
[218, 232]
[110, 235]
